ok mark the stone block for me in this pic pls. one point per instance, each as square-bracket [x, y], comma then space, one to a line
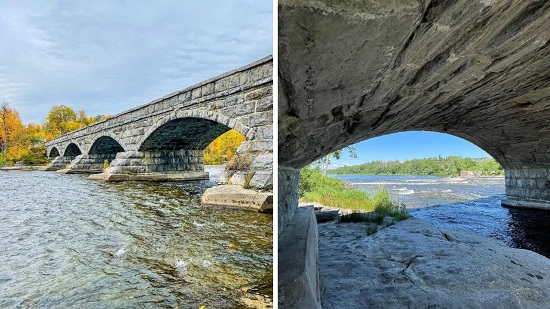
[262, 180]
[258, 119]
[237, 197]
[263, 161]
[238, 110]
[264, 104]
[262, 146]
[259, 93]
[244, 146]
[264, 132]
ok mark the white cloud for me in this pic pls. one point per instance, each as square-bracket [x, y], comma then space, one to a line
[110, 56]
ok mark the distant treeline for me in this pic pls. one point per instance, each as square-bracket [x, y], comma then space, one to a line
[440, 166]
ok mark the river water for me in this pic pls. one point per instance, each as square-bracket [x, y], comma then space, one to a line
[466, 203]
[67, 242]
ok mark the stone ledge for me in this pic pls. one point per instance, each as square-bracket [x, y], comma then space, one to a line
[150, 177]
[531, 204]
[77, 171]
[299, 285]
[235, 196]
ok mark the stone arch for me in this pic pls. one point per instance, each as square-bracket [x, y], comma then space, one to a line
[193, 129]
[105, 144]
[72, 150]
[53, 153]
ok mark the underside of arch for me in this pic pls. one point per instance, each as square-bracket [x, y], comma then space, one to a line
[72, 150]
[105, 145]
[54, 153]
[184, 133]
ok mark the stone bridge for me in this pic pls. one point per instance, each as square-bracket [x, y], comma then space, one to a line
[165, 139]
[353, 70]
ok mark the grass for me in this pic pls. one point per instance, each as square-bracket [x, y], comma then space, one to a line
[333, 192]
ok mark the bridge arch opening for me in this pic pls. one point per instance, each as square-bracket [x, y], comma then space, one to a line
[105, 145]
[421, 154]
[54, 153]
[184, 133]
[72, 151]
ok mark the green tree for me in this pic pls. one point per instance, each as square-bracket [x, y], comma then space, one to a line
[336, 155]
[60, 120]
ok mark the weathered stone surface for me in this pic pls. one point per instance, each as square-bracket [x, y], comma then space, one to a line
[299, 285]
[288, 197]
[352, 70]
[263, 161]
[262, 179]
[238, 197]
[169, 134]
[413, 264]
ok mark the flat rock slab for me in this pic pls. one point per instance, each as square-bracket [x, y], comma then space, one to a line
[414, 264]
[238, 197]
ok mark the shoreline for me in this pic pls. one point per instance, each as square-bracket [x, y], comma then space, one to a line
[23, 168]
[441, 176]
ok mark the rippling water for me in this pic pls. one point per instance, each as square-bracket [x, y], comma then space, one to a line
[66, 241]
[467, 203]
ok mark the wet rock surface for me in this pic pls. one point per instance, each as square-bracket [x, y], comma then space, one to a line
[414, 264]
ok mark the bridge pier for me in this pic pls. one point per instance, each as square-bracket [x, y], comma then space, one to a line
[91, 163]
[528, 188]
[59, 163]
[162, 165]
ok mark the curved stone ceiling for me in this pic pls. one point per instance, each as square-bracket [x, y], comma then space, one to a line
[353, 70]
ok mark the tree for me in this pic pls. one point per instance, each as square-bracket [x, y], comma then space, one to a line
[61, 120]
[4, 111]
[13, 135]
[337, 155]
[222, 149]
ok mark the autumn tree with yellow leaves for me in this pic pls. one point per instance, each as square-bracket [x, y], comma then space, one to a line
[20, 142]
[25, 143]
[222, 149]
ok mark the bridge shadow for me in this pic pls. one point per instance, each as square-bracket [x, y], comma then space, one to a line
[518, 228]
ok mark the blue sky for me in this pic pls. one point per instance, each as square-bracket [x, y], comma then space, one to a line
[409, 145]
[108, 56]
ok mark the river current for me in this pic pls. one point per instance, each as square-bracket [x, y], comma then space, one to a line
[68, 242]
[466, 203]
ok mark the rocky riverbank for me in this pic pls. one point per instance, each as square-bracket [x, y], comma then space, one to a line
[414, 264]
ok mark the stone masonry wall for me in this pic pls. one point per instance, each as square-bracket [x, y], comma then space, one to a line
[528, 183]
[157, 162]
